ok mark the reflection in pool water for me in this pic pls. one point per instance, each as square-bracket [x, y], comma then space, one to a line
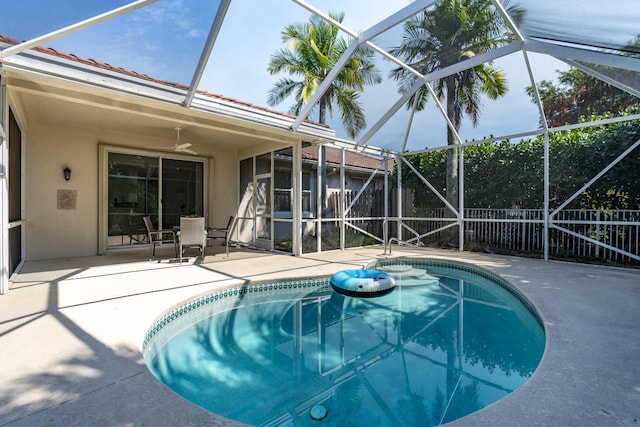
[440, 346]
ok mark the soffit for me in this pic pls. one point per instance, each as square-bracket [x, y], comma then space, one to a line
[58, 102]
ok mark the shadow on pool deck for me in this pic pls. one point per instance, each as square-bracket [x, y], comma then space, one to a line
[71, 332]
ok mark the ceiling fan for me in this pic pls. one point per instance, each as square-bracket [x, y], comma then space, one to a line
[180, 147]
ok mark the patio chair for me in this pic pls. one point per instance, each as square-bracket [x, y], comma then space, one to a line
[137, 234]
[222, 233]
[159, 236]
[192, 234]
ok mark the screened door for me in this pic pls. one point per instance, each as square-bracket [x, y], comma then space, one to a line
[265, 213]
[15, 194]
[255, 210]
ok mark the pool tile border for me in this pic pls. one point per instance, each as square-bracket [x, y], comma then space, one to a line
[222, 294]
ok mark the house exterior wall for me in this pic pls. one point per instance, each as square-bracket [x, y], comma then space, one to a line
[53, 232]
[223, 187]
[71, 112]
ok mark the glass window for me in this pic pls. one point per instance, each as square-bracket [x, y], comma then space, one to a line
[263, 164]
[182, 190]
[134, 185]
[132, 193]
[282, 191]
[307, 199]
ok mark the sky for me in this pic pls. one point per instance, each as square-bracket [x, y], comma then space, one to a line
[164, 40]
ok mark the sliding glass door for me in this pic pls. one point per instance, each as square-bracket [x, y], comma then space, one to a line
[161, 187]
[182, 190]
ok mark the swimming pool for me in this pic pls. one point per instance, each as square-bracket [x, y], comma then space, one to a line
[449, 340]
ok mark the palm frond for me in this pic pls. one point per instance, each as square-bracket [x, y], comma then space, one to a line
[352, 114]
[311, 50]
[281, 91]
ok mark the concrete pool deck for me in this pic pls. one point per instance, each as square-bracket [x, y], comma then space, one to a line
[71, 332]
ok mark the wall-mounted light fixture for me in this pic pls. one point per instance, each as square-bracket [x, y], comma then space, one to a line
[67, 173]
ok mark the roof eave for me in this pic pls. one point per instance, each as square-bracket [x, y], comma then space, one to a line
[95, 74]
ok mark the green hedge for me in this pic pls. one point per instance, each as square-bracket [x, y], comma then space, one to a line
[505, 174]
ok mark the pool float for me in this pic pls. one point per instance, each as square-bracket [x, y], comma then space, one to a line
[362, 283]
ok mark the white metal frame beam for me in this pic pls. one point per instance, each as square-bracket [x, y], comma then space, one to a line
[444, 72]
[365, 37]
[595, 178]
[74, 27]
[620, 85]
[578, 54]
[431, 187]
[206, 50]
[4, 188]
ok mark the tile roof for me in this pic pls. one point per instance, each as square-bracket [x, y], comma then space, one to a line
[351, 158]
[123, 71]
[333, 154]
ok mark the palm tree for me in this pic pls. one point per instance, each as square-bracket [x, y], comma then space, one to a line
[311, 50]
[449, 33]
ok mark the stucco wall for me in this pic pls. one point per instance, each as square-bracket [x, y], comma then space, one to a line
[51, 232]
[223, 197]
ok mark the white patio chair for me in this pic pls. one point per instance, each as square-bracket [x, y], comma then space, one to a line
[192, 234]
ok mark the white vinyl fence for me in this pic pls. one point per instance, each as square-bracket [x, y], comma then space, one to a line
[574, 233]
[521, 231]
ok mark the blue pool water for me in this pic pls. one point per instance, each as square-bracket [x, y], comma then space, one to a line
[448, 341]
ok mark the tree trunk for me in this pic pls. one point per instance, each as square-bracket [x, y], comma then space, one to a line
[452, 154]
[450, 236]
[322, 114]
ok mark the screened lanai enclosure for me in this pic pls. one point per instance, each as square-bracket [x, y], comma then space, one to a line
[322, 125]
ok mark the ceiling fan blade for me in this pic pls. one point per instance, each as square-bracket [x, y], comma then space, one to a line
[178, 147]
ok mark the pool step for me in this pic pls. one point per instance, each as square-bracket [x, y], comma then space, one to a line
[407, 275]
